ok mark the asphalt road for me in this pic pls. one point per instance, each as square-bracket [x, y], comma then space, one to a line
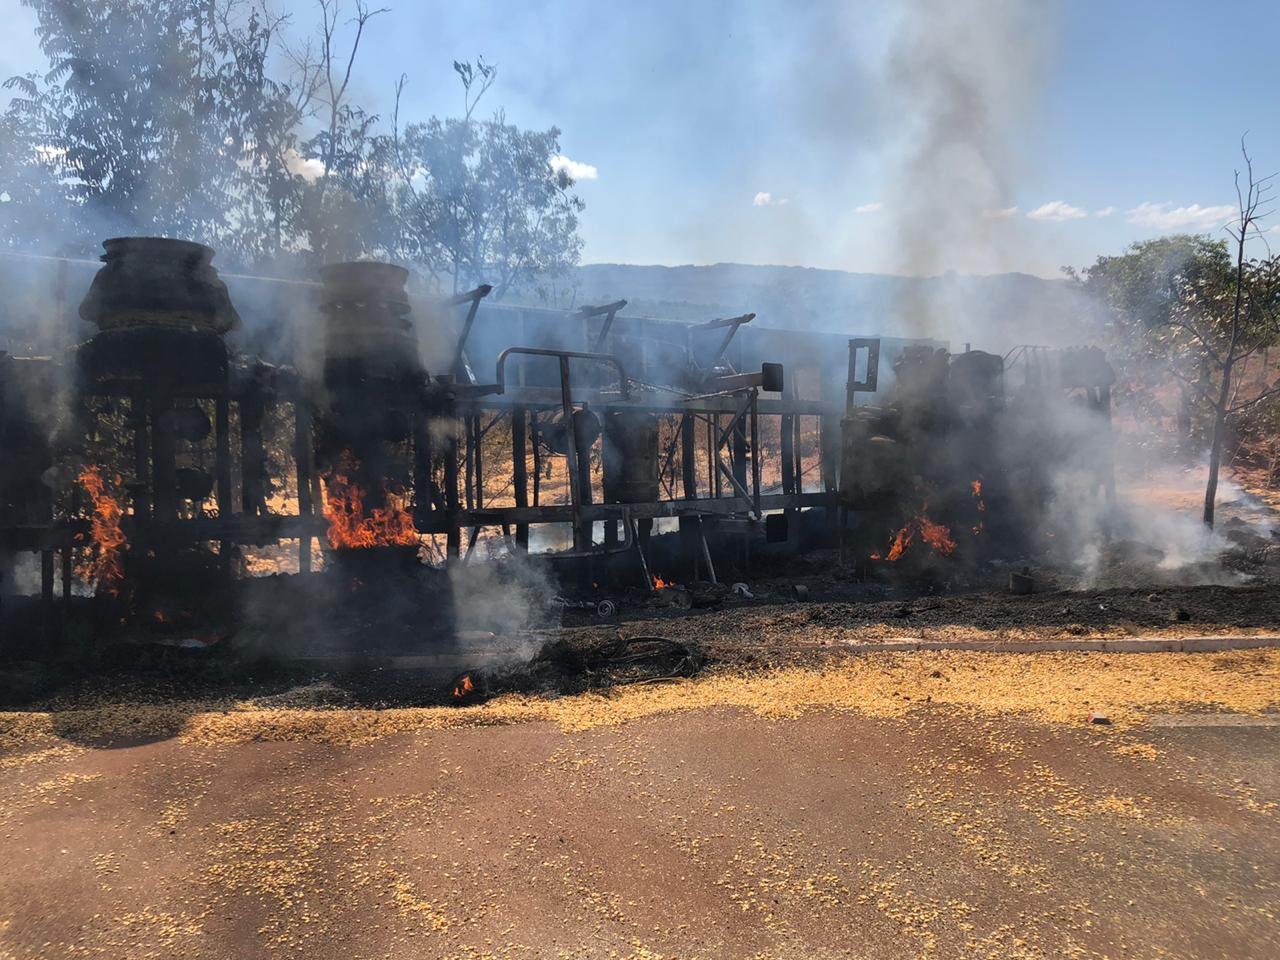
[707, 833]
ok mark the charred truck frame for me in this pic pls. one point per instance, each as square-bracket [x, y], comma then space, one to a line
[161, 473]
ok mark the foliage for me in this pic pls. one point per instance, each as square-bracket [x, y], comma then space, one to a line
[1142, 285]
[154, 117]
[1169, 304]
[1194, 312]
[1201, 339]
[167, 117]
[348, 211]
[480, 202]
[36, 209]
[1140, 290]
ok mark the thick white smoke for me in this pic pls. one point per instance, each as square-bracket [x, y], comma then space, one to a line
[964, 86]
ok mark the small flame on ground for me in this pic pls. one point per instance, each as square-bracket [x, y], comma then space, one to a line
[349, 527]
[976, 487]
[660, 584]
[107, 568]
[463, 687]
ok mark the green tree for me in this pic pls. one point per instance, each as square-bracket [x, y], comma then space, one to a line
[1140, 290]
[263, 117]
[1194, 311]
[1225, 322]
[157, 117]
[346, 209]
[37, 209]
[480, 201]
[165, 117]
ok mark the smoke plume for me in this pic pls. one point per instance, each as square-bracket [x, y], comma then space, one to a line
[963, 77]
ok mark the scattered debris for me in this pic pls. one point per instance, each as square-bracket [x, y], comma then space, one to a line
[625, 660]
[564, 667]
[673, 596]
[604, 609]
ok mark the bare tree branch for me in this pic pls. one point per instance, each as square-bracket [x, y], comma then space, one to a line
[1262, 397]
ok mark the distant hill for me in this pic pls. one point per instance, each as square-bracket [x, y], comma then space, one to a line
[990, 311]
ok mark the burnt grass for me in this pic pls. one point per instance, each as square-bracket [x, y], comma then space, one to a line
[1073, 612]
[577, 651]
[768, 633]
[227, 676]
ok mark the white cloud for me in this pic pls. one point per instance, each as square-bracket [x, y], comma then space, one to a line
[874, 207]
[1056, 211]
[1004, 213]
[308, 168]
[573, 169]
[1104, 212]
[1161, 216]
[763, 199]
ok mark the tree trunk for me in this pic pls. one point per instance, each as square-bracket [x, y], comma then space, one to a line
[1215, 448]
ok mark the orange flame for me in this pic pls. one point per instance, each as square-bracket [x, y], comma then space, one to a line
[349, 527]
[901, 540]
[934, 534]
[107, 568]
[463, 687]
[976, 487]
[660, 584]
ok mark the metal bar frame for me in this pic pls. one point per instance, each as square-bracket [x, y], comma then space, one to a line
[439, 511]
[459, 366]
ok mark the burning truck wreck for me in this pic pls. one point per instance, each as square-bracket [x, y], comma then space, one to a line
[348, 488]
[957, 466]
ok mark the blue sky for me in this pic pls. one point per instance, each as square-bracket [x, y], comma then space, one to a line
[690, 111]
